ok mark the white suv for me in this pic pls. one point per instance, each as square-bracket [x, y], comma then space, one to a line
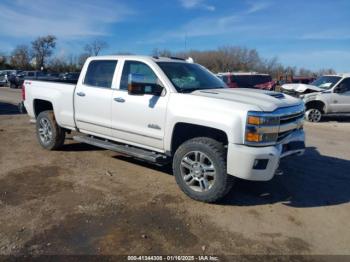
[327, 95]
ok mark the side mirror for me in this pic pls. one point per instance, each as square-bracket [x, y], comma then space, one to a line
[138, 84]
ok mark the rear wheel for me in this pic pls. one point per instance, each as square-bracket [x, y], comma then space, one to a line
[313, 115]
[50, 135]
[199, 167]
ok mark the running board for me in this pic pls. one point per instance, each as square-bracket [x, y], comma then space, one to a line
[139, 153]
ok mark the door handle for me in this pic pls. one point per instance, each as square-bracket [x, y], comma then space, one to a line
[119, 99]
[81, 94]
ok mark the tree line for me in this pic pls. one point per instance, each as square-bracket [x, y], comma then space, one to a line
[236, 58]
[39, 56]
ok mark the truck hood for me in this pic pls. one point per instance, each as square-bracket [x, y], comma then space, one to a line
[301, 88]
[266, 100]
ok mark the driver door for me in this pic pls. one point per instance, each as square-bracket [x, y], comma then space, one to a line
[139, 119]
[341, 97]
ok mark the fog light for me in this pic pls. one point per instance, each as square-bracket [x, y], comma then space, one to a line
[260, 164]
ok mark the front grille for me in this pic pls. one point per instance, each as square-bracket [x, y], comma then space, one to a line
[283, 135]
[291, 118]
[294, 120]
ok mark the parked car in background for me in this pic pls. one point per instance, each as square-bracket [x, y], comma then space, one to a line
[302, 79]
[247, 80]
[3, 78]
[165, 110]
[71, 77]
[17, 78]
[49, 77]
[327, 95]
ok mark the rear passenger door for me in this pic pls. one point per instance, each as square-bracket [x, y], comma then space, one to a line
[93, 98]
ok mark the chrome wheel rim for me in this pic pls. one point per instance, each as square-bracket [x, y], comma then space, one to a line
[314, 115]
[198, 171]
[45, 131]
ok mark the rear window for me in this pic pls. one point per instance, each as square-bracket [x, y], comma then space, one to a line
[250, 81]
[100, 73]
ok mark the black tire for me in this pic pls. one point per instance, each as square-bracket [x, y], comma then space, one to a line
[217, 155]
[56, 140]
[12, 85]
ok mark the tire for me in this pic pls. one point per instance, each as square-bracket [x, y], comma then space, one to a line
[313, 115]
[191, 160]
[12, 85]
[49, 134]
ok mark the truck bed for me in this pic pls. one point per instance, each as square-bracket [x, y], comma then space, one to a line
[60, 94]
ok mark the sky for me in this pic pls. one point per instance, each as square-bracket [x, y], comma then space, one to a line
[313, 34]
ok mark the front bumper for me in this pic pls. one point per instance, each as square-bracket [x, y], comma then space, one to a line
[243, 161]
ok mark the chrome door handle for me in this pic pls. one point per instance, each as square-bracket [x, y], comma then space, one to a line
[119, 99]
[81, 94]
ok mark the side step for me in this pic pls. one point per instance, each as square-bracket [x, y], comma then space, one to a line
[139, 153]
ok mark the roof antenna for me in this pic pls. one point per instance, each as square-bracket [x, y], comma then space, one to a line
[190, 60]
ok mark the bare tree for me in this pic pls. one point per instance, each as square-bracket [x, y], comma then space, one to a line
[82, 58]
[20, 57]
[95, 47]
[325, 71]
[42, 49]
[3, 61]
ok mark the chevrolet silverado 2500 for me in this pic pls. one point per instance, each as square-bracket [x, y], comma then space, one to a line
[166, 110]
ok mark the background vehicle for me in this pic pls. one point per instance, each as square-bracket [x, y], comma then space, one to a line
[17, 77]
[166, 110]
[327, 95]
[49, 77]
[247, 80]
[3, 78]
[70, 77]
[302, 79]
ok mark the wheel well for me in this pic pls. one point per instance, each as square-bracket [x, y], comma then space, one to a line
[41, 105]
[184, 131]
[315, 104]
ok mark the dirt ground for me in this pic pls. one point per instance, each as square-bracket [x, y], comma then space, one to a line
[85, 200]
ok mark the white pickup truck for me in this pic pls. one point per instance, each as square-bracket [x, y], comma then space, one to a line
[166, 110]
[327, 95]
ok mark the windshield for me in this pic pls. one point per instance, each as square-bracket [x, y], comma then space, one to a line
[190, 77]
[326, 82]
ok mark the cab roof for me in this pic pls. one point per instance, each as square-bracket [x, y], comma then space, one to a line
[140, 57]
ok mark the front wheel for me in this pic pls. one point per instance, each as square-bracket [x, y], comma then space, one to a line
[313, 115]
[199, 166]
[50, 135]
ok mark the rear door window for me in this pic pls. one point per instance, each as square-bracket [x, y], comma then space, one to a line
[100, 73]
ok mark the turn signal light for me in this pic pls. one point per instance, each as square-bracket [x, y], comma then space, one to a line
[254, 120]
[252, 137]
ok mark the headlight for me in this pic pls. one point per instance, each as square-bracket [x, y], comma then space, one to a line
[261, 129]
[262, 120]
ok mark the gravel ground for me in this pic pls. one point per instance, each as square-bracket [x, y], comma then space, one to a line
[85, 200]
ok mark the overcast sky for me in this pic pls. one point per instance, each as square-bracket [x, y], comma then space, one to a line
[313, 34]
